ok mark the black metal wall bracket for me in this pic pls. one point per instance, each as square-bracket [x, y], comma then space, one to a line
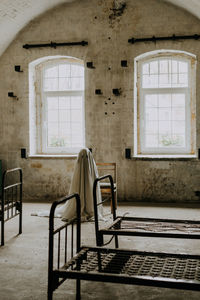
[54, 44]
[117, 92]
[18, 69]
[98, 92]
[165, 38]
[124, 63]
[23, 153]
[128, 153]
[11, 95]
[90, 65]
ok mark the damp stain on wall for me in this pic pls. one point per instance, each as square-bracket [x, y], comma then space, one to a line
[117, 9]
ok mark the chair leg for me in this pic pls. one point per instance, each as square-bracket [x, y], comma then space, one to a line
[2, 233]
[115, 202]
[50, 293]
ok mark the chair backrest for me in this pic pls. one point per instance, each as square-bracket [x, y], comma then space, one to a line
[107, 168]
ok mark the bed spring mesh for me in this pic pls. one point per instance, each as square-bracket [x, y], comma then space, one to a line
[156, 226]
[133, 264]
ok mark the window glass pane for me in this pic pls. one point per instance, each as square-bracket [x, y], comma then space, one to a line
[178, 100]
[76, 128]
[151, 140]
[63, 124]
[151, 100]
[164, 80]
[76, 102]
[64, 70]
[51, 72]
[164, 100]
[165, 114]
[65, 127]
[183, 67]
[178, 127]
[174, 79]
[151, 127]
[50, 84]
[145, 68]
[174, 66]
[64, 102]
[52, 115]
[64, 115]
[164, 66]
[77, 71]
[183, 79]
[64, 84]
[151, 114]
[165, 73]
[52, 103]
[53, 129]
[178, 113]
[77, 83]
[154, 67]
[76, 115]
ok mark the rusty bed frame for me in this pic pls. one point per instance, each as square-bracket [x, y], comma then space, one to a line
[167, 270]
[139, 226]
[11, 199]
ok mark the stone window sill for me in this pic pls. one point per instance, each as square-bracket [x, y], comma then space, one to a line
[49, 156]
[166, 157]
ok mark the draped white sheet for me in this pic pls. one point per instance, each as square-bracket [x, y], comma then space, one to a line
[85, 172]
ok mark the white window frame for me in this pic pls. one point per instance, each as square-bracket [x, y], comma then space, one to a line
[38, 116]
[190, 109]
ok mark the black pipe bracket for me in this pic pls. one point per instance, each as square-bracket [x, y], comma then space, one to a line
[54, 44]
[165, 38]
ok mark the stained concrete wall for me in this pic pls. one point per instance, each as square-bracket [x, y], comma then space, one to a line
[107, 32]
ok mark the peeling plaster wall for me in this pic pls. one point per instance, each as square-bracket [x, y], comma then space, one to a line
[107, 32]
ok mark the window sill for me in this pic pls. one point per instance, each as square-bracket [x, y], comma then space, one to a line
[165, 157]
[44, 156]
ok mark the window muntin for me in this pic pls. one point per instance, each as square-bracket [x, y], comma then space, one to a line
[61, 106]
[63, 77]
[164, 106]
[165, 73]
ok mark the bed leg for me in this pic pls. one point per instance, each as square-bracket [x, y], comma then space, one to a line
[78, 289]
[50, 294]
[116, 242]
[2, 233]
[20, 220]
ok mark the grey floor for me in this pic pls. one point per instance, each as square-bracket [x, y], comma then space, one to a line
[23, 259]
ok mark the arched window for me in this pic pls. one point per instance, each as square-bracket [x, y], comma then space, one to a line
[57, 106]
[165, 104]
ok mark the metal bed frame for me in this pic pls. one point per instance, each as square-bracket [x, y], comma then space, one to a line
[11, 199]
[179, 271]
[136, 226]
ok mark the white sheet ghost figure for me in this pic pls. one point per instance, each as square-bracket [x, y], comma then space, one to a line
[85, 172]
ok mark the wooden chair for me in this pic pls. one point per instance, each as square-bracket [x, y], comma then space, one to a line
[111, 169]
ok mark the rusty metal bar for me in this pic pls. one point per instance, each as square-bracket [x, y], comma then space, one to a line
[54, 44]
[11, 206]
[165, 38]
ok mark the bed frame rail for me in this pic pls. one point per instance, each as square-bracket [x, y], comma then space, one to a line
[99, 236]
[61, 244]
[11, 201]
[166, 270]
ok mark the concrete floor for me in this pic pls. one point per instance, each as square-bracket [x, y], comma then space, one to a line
[23, 259]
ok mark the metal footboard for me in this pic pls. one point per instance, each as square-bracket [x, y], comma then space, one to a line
[164, 270]
[60, 249]
[11, 200]
[139, 226]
